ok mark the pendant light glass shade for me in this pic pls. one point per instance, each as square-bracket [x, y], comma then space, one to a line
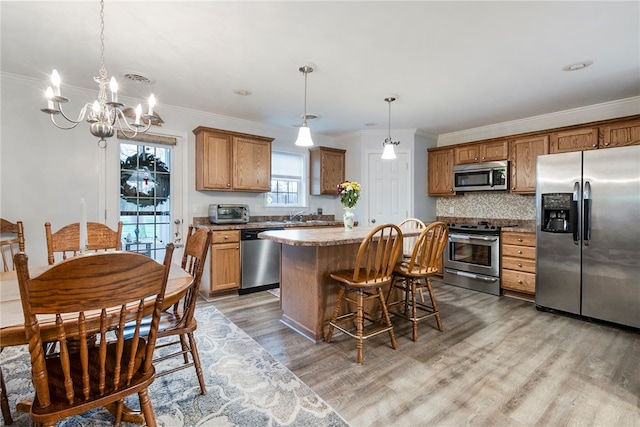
[389, 152]
[304, 135]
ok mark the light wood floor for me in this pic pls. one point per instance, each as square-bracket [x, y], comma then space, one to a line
[499, 362]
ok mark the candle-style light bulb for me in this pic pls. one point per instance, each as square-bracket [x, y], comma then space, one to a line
[55, 80]
[138, 114]
[152, 103]
[96, 108]
[49, 95]
[113, 86]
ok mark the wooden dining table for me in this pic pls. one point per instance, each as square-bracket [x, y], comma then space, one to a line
[12, 331]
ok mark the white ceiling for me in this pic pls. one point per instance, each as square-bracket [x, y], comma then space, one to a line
[453, 65]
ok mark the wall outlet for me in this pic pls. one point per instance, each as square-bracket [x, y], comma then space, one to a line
[197, 208]
[451, 210]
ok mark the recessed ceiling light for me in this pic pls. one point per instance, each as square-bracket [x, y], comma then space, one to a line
[242, 92]
[577, 66]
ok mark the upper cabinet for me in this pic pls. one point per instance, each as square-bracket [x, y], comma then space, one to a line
[232, 161]
[574, 140]
[326, 170]
[482, 152]
[522, 156]
[440, 172]
[620, 134]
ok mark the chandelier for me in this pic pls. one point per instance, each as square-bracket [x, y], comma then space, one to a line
[103, 115]
[304, 135]
[389, 150]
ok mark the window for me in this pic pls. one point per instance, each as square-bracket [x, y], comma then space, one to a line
[287, 181]
[145, 199]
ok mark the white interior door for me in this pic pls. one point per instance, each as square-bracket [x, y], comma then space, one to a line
[390, 195]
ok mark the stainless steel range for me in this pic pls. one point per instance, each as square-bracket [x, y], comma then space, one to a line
[472, 257]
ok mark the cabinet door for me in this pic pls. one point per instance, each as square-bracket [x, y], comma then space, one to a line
[494, 151]
[213, 165]
[440, 173]
[466, 154]
[574, 140]
[225, 266]
[326, 170]
[523, 153]
[251, 164]
[620, 134]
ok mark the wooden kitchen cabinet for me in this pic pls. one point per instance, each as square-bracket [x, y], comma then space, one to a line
[326, 170]
[225, 261]
[490, 151]
[522, 156]
[518, 266]
[620, 134]
[232, 161]
[574, 140]
[440, 172]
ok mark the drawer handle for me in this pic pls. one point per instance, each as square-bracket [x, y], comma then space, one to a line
[519, 240]
[519, 265]
[520, 252]
[520, 282]
[226, 237]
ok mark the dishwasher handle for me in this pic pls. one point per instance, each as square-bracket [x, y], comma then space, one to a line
[252, 233]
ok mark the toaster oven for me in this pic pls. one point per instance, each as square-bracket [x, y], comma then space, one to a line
[228, 214]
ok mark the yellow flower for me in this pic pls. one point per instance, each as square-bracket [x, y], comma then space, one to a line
[349, 192]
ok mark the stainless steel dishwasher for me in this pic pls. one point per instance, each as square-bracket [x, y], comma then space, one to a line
[260, 261]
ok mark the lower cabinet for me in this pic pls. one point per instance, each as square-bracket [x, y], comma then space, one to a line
[225, 261]
[518, 266]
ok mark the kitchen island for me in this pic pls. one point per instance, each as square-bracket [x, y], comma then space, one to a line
[307, 291]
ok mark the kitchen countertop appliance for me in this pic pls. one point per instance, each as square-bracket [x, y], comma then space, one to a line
[472, 257]
[587, 239]
[228, 214]
[260, 261]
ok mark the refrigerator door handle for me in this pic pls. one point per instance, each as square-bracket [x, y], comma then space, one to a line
[587, 213]
[574, 213]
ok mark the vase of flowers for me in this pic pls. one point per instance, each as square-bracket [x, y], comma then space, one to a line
[349, 192]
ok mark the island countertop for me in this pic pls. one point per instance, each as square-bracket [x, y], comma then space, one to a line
[330, 236]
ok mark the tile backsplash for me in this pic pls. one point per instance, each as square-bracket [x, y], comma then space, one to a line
[488, 205]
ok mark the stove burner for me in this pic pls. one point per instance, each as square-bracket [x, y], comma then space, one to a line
[480, 226]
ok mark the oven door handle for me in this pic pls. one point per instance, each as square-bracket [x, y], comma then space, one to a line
[458, 237]
[471, 275]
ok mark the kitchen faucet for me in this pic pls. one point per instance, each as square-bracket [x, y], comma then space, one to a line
[293, 215]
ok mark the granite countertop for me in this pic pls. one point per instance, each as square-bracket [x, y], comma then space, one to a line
[321, 237]
[262, 222]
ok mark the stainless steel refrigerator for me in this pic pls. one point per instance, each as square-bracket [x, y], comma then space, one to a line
[588, 234]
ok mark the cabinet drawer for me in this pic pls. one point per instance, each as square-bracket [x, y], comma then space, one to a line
[519, 281]
[520, 264]
[230, 236]
[524, 239]
[528, 252]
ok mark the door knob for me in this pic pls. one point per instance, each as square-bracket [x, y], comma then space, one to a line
[373, 221]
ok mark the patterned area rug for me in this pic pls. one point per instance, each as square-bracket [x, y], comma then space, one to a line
[246, 386]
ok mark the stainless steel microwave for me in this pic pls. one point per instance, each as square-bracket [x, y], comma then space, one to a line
[488, 176]
[228, 214]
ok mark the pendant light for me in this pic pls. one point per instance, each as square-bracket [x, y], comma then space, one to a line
[304, 135]
[389, 152]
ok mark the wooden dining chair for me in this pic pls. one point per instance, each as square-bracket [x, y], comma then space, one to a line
[67, 240]
[412, 275]
[179, 321]
[103, 367]
[11, 243]
[372, 271]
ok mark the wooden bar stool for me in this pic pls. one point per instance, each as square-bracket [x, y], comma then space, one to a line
[412, 275]
[376, 257]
